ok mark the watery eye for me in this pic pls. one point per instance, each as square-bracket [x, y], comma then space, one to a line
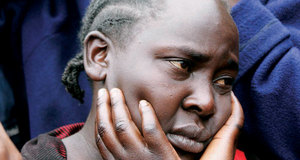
[224, 82]
[183, 65]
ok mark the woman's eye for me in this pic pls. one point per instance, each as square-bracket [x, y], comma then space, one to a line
[224, 82]
[181, 64]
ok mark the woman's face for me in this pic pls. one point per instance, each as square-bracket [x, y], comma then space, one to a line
[184, 64]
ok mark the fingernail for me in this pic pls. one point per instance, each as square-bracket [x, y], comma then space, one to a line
[114, 92]
[101, 92]
[143, 103]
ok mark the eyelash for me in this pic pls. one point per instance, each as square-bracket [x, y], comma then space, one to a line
[222, 83]
[182, 65]
[225, 83]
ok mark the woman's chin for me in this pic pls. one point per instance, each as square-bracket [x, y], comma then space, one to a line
[187, 155]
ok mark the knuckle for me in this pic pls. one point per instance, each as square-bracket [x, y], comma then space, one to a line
[121, 126]
[98, 140]
[150, 129]
[101, 129]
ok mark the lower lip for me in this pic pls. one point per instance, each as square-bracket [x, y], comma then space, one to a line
[185, 143]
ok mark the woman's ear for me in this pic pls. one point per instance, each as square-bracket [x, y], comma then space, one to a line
[96, 48]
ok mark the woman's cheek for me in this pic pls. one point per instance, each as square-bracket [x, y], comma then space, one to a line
[223, 111]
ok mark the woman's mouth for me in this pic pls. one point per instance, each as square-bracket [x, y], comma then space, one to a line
[185, 143]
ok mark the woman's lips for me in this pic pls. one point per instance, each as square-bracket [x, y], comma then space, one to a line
[184, 143]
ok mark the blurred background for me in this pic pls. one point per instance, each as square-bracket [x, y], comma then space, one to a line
[37, 39]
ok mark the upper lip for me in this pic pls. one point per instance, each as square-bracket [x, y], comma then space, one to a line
[192, 131]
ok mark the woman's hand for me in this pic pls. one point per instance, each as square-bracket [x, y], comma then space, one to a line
[223, 144]
[8, 150]
[119, 138]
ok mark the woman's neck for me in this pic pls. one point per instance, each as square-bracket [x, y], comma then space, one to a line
[82, 145]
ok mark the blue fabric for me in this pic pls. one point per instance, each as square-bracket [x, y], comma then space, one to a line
[268, 84]
[11, 15]
[7, 102]
[49, 40]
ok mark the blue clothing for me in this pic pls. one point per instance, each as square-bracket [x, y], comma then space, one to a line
[39, 37]
[268, 84]
[7, 116]
[6, 102]
[49, 36]
[11, 13]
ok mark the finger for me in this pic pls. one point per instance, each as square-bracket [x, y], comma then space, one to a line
[105, 126]
[126, 131]
[152, 131]
[237, 112]
[234, 124]
[104, 152]
[223, 143]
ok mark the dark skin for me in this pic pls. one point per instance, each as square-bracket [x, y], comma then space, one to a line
[126, 142]
[222, 145]
[182, 64]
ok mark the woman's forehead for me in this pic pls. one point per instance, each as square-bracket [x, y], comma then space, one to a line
[207, 28]
[174, 8]
[193, 15]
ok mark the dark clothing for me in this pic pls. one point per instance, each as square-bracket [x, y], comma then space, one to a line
[268, 84]
[7, 103]
[43, 39]
[50, 146]
[49, 36]
[15, 120]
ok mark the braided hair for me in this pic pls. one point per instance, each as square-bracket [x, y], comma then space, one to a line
[116, 20]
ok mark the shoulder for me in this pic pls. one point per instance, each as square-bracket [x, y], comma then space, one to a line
[50, 145]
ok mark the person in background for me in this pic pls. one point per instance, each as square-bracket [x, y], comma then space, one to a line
[13, 103]
[174, 64]
[268, 83]
[7, 104]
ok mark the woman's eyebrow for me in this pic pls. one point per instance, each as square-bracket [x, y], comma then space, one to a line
[187, 52]
[194, 55]
[231, 65]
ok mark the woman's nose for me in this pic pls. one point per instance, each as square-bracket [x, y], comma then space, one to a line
[200, 101]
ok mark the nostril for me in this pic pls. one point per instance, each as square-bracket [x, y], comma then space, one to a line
[196, 108]
[206, 117]
[202, 113]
